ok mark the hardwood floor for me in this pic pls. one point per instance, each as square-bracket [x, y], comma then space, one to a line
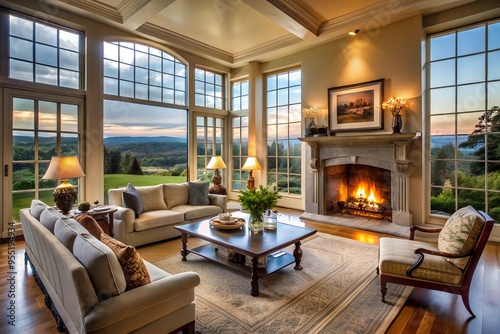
[424, 312]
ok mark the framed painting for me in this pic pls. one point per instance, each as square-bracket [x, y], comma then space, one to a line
[356, 107]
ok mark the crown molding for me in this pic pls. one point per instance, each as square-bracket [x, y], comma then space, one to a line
[185, 43]
[298, 14]
[271, 46]
[96, 8]
[127, 8]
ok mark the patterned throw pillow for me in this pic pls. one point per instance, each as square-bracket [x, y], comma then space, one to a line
[90, 224]
[134, 269]
[460, 234]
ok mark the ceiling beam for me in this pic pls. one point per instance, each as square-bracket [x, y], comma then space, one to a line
[289, 15]
[135, 13]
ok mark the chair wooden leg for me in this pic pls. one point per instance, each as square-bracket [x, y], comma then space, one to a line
[465, 299]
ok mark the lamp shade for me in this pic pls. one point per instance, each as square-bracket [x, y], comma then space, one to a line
[251, 164]
[216, 163]
[63, 168]
[311, 112]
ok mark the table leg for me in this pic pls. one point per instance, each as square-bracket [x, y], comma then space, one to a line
[184, 250]
[110, 222]
[255, 277]
[297, 254]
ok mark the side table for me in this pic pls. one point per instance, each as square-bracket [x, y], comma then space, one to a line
[102, 213]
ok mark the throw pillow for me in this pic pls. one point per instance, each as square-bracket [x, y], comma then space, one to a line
[198, 193]
[90, 224]
[134, 269]
[152, 198]
[460, 234]
[132, 200]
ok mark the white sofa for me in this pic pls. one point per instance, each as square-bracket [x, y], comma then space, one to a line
[165, 206]
[85, 286]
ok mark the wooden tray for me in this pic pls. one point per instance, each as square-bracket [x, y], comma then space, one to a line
[237, 223]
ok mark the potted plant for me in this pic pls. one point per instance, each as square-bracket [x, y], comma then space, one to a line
[256, 202]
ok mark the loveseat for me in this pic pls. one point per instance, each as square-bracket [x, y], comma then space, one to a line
[164, 206]
[85, 285]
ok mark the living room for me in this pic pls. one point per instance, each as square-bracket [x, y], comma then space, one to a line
[388, 46]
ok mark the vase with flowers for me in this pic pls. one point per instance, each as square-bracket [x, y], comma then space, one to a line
[395, 106]
[256, 202]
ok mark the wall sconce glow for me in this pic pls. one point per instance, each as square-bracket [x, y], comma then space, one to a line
[354, 32]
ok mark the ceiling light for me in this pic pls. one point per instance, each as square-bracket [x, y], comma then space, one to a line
[354, 33]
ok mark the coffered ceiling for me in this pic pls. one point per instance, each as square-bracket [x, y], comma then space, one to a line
[234, 32]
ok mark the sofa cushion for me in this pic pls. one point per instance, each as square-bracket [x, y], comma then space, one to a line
[176, 194]
[132, 200]
[37, 208]
[461, 233]
[66, 230]
[197, 211]
[134, 269]
[198, 193]
[157, 218]
[90, 225]
[152, 197]
[102, 266]
[49, 217]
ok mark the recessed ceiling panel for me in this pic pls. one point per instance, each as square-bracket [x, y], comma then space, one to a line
[228, 25]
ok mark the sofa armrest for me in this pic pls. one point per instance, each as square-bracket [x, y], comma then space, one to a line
[123, 222]
[136, 308]
[219, 200]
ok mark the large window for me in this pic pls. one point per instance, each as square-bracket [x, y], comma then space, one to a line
[464, 74]
[145, 116]
[209, 143]
[209, 89]
[142, 72]
[41, 129]
[43, 53]
[283, 129]
[240, 152]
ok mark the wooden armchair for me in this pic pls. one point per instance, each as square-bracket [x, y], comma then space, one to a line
[448, 266]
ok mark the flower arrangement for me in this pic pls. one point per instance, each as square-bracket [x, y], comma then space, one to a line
[395, 104]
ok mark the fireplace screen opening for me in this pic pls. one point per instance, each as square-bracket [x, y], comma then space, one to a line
[358, 189]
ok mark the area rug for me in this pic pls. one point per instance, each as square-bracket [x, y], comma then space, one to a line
[337, 291]
[358, 222]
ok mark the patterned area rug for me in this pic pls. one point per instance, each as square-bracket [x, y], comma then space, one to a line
[336, 292]
[362, 223]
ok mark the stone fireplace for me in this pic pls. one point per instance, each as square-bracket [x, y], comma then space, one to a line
[341, 164]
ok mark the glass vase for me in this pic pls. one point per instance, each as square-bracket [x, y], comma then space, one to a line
[255, 223]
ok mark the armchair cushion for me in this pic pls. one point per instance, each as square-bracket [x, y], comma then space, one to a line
[397, 256]
[460, 234]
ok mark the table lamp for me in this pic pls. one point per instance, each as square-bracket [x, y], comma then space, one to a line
[64, 168]
[217, 187]
[251, 164]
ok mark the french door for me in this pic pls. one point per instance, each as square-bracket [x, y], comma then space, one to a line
[37, 126]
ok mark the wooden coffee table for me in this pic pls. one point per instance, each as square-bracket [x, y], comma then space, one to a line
[249, 244]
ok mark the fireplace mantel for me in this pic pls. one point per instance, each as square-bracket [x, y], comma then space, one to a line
[365, 140]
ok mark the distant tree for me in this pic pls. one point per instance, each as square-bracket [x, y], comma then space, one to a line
[126, 163]
[112, 160]
[488, 125]
[135, 168]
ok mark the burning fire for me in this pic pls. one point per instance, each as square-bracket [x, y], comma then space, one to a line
[365, 188]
